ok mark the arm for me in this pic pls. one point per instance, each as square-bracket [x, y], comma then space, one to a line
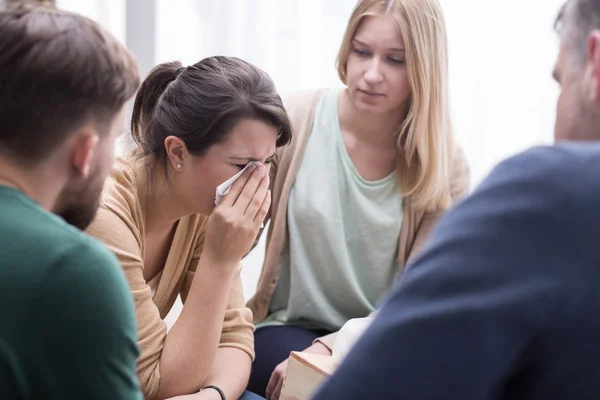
[230, 231]
[84, 329]
[478, 297]
[163, 358]
[124, 242]
[178, 363]
[230, 364]
[191, 345]
[230, 371]
[231, 368]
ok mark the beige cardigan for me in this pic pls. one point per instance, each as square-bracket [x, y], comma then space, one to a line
[120, 224]
[416, 224]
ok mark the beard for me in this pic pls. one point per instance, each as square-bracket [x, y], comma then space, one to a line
[80, 202]
[81, 215]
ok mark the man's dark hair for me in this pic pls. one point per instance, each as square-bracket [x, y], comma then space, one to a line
[58, 72]
[582, 16]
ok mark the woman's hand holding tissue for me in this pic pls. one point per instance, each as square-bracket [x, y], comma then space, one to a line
[234, 223]
[278, 376]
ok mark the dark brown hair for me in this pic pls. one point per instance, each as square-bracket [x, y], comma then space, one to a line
[58, 71]
[201, 103]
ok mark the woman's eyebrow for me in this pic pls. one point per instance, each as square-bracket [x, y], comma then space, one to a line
[366, 45]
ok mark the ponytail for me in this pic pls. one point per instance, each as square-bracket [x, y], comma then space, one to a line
[146, 99]
[201, 103]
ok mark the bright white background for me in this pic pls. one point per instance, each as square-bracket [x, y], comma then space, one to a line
[501, 58]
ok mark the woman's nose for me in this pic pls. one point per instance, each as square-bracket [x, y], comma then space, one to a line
[373, 73]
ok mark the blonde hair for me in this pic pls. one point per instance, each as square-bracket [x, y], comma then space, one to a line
[425, 137]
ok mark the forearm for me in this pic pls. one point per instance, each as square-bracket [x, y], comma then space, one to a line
[328, 341]
[318, 348]
[230, 372]
[191, 345]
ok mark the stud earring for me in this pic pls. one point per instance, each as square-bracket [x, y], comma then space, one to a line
[178, 166]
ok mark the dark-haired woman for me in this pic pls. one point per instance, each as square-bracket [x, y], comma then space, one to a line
[195, 128]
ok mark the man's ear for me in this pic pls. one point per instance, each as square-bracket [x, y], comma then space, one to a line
[177, 152]
[594, 60]
[85, 147]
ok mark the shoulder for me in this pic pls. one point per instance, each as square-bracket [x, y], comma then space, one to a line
[302, 97]
[122, 185]
[83, 275]
[88, 264]
[87, 278]
[61, 242]
[300, 107]
[551, 187]
[119, 218]
[301, 104]
[536, 211]
[560, 167]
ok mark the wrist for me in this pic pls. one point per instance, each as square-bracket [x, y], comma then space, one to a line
[214, 391]
[209, 260]
[206, 395]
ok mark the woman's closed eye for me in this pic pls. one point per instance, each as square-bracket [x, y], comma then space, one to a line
[394, 60]
[366, 53]
[362, 53]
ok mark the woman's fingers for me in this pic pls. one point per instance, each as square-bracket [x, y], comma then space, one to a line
[264, 209]
[272, 384]
[246, 193]
[277, 393]
[238, 186]
[258, 198]
[276, 382]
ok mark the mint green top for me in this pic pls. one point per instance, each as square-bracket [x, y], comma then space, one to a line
[343, 234]
[68, 328]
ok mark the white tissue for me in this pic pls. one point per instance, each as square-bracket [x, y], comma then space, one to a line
[347, 337]
[224, 187]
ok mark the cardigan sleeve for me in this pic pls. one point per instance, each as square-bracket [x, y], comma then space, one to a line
[122, 239]
[238, 330]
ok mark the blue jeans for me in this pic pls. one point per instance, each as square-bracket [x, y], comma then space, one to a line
[250, 396]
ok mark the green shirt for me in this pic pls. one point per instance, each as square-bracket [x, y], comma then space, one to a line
[67, 327]
[343, 234]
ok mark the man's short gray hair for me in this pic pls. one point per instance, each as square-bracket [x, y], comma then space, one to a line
[579, 17]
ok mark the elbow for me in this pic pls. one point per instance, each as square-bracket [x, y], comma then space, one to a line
[158, 381]
[175, 381]
[149, 377]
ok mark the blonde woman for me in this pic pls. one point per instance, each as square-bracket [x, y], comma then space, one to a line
[370, 169]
